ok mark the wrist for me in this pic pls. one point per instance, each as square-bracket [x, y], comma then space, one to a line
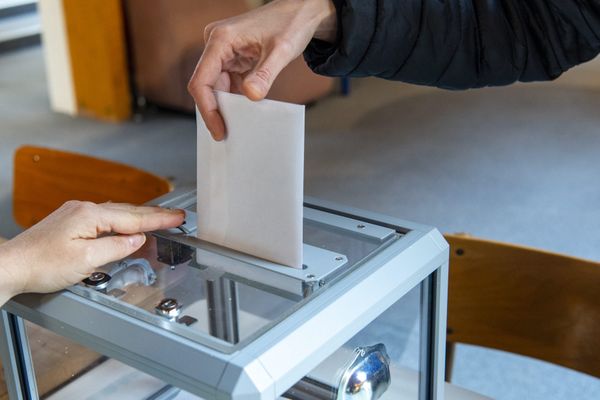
[327, 20]
[319, 15]
[12, 272]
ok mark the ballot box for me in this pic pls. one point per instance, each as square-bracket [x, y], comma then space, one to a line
[364, 318]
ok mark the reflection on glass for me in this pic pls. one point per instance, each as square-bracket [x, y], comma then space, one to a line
[398, 330]
[65, 370]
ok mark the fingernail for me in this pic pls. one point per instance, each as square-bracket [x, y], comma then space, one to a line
[218, 136]
[177, 211]
[174, 210]
[137, 240]
[255, 91]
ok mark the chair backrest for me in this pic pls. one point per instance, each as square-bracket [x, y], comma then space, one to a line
[525, 301]
[44, 179]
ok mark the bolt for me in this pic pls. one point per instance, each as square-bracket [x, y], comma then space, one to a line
[339, 258]
[97, 280]
[361, 226]
[169, 308]
[97, 276]
[168, 304]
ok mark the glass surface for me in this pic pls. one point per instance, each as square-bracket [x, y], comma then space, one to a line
[65, 370]
[224, 306]
[400, 330]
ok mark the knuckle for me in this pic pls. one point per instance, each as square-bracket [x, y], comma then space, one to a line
[139, 223]
[121, 245]
[208, 30]
[70, 205]
[85, 208]
[89, 256]
[221, 31]
[193, 85]
[136, 221]
[82, 208]
[264, 74]
[283, 46]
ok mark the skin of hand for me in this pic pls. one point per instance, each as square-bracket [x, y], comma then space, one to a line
[244, 54]
[66, 247]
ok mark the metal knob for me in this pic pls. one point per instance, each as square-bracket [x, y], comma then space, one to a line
[169, 308]
[367, 376]
[97, 280]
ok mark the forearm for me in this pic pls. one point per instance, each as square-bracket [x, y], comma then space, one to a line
[461, 43]
[11, 273]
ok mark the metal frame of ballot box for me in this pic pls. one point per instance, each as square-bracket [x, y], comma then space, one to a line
[340, 300]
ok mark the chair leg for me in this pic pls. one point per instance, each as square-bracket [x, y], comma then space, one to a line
[450, 349]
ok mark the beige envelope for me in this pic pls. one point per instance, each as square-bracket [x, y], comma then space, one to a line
[250, 186]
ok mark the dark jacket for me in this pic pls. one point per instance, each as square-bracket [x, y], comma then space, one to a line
[459, 44]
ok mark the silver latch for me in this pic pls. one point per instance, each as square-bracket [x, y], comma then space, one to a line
[367, 376]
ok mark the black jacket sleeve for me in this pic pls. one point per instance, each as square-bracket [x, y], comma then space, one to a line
[459, 44]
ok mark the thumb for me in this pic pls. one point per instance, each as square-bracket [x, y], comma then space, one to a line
[112, 248]
[258, 82]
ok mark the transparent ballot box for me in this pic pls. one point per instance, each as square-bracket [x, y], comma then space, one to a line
[186, 319]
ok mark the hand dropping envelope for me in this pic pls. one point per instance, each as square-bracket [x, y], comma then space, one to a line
[250, 186]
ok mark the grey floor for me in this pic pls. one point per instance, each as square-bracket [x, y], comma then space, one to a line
[517, 164]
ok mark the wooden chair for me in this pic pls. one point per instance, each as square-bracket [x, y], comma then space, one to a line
[525, 301]
[43, 180]
[46, 178]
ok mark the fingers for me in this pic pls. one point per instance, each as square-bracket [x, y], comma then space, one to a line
[202, 86]
[139, 209]
[258, 82]
[223, 83]
[111, 248]
[126, 219]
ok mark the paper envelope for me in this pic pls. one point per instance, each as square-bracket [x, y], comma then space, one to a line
[250, 186]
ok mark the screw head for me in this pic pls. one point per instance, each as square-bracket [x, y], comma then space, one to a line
[168, 304]
[169, 308]
[97, 276]
[97, 280]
